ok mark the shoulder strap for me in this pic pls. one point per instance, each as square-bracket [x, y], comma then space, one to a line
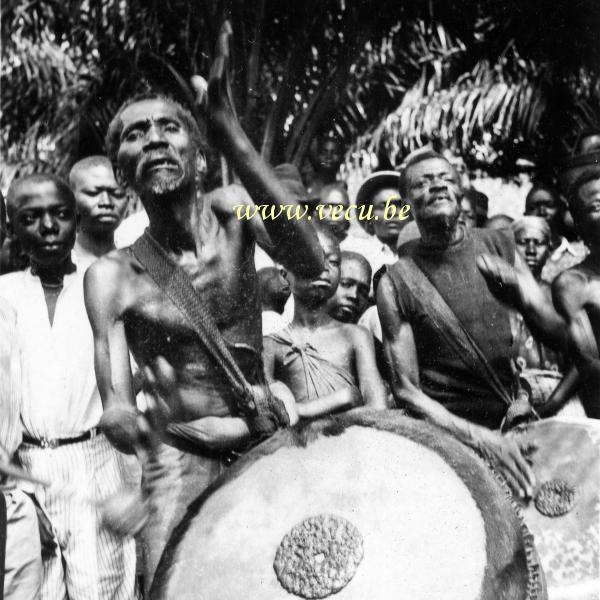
[447, 323]
[176, 285]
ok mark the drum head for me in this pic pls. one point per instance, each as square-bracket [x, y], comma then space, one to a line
[370, 505]
[565, 514]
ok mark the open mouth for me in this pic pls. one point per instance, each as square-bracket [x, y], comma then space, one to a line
[320, 283]
[51, 247]
[158, 164]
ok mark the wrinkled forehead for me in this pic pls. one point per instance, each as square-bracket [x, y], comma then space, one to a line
[431, 167]
[149, 110]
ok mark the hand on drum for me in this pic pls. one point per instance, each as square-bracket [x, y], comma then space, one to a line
[508, 457]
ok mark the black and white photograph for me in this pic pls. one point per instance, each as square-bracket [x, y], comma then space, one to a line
[300, 300]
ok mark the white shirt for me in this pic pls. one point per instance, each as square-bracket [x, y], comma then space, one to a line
[60, 397]
[370, 320]
[272, 322]
[131, 229]
[376, 252]
[10, 380]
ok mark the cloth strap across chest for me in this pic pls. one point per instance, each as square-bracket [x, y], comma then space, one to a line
[176, 285]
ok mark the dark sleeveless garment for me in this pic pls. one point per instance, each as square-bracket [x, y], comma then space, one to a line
[454, 273]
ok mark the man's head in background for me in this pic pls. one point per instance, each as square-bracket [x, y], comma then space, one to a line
[326, 155]
[352, 295]
[101, 202]
[468, 214]
[273, 289]
[41, 211]
[584, 203]
[381, 190]
[543, 200]
[533, 238]
[335, 200]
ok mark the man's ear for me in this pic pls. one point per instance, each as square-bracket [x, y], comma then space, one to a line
[10, 230]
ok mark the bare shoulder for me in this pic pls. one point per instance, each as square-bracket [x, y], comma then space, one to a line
[355, 333]
[107, 277]
[224, 200]
[569, 287]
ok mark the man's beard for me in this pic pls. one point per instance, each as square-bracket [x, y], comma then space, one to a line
[167, 182]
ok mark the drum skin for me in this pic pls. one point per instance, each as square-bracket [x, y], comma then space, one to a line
[436, 522]
[567, 450]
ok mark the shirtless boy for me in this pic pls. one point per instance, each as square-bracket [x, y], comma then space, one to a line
[329, 366]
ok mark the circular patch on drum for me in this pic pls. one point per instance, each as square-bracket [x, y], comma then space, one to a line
[319, 556]
[555, 498]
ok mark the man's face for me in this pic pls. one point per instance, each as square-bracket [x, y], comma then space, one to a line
[534, 248]
[434, 193]
[587, 215]
[542, 204]
[333, 201]
[157, 154]
[352, 295]
[315, 292]
[387, 230]
[44, 223]
[100, 201]
[329, 156]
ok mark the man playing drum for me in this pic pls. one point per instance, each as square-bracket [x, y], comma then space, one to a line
[447, 339]
[155, 146]
[576, 293]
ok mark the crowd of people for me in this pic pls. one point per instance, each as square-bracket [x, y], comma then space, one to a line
[186, 346]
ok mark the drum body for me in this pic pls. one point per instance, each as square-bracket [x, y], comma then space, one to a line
[367, 505]
[564, 516]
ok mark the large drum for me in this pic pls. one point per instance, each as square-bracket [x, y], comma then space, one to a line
[364, 506]
[564, 515]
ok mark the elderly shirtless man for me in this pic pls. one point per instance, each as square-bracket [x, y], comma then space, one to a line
[155, 146]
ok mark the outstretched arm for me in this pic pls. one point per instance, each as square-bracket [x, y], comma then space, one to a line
[295, 243]
[516, 287]
[400, 352]
[111, 354]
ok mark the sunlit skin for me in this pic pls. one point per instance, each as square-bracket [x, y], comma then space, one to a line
[44, 222]
[434, 194]
[101, 201]
[158, 157]
[576, 294]
[345, 345]
[433, 190]
[352, 294]
[534, 248]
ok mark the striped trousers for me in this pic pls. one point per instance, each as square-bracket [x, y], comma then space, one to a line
[90, 563]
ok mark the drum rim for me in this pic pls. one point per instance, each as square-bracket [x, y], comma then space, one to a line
[458, 456]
